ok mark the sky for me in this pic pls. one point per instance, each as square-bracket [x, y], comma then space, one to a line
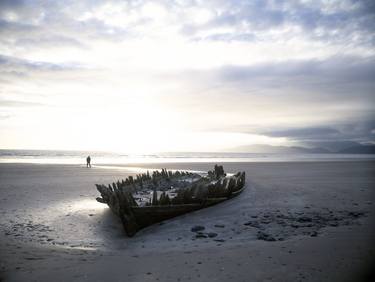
[148, 76]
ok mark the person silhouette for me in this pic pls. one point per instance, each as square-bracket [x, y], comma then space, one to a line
[88, 161]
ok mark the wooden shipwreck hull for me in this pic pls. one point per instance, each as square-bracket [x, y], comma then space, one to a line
[151, 198]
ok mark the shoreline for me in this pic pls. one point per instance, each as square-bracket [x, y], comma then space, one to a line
[174, 158]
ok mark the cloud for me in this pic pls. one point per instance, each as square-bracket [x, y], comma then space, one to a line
[301, 100]
[335, 136]
[53, 25]
[336, 22]
[338, 66]
[4, 116]
[306, 133]
[14, 103]
[11, 3]
[49, 41]
[20, 67]
[325, 79]
[336, 79]
[333, 22]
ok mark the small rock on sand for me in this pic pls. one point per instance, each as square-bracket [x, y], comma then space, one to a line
[265, 237]
[314, 234]
[201, 235]
[197, 228]
[252, 224]
[212, 234]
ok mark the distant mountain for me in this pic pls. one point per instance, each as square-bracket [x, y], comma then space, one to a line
[332, 146]
[278, 149]
[359, 149]
[356, 149]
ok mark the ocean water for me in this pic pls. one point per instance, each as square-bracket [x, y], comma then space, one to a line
[79, 157]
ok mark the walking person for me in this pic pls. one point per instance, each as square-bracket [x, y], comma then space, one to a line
[88, 161]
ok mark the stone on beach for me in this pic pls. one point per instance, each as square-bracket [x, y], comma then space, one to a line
[197, 228]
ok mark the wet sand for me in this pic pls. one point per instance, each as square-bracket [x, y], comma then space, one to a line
[308, 221]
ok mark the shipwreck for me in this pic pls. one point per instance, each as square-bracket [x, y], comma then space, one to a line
[150, 198]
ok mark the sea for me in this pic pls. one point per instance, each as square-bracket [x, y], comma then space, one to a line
[79, 157]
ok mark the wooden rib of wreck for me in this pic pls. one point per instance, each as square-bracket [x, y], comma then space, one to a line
[150, 198]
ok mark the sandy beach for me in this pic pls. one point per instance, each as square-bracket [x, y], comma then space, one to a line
[296, 221]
